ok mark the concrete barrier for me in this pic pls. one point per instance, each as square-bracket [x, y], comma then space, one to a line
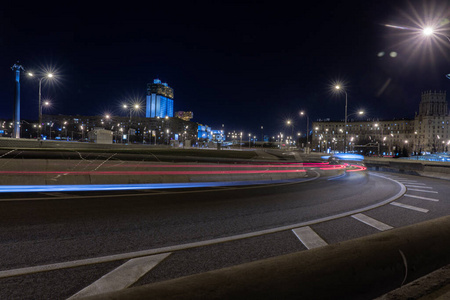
[363, 268]
[422, 168]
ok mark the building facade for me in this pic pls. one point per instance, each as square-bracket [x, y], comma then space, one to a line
[427, 132]
[159, 101]
[432, 122]
[160, 131]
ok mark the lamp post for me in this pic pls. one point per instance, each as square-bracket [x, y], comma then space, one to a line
[289, 123]
[45, 103]
[82, 132]
[262, 136]
[49, 75]
[167, 136]
[378, 126]
[249, 135]
[240, 143]
[302, 113]
[338, 87]
[131, 107]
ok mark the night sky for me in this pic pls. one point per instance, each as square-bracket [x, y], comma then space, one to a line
[239, 63]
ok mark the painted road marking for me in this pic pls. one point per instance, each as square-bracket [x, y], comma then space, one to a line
[418, 186]
[372, 222]
[421, 198]
[409, 181]
[424, 191]
[410, 207]
[122, 277]
[309, 237]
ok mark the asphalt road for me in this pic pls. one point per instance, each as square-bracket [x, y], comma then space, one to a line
[63, 228]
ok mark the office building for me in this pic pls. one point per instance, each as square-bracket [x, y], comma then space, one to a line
[159, 102]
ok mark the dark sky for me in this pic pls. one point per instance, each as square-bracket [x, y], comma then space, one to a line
[239, 63]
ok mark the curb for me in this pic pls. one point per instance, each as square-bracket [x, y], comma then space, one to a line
[432, 286]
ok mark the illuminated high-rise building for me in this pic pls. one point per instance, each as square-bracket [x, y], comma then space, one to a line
[159, 100]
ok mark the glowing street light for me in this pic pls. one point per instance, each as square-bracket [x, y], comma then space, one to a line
[427, 31]
[302, 113]
[430, 31]
[290, 123]
[135, 107]
[339, 88]
[48, 75]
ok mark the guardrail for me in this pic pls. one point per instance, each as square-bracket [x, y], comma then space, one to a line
[423, 168]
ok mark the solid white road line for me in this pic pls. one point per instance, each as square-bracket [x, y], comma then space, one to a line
[372, 222]
[410, 207]
[309, 237]
[424, 191]
[421, 198]
[418, 186]
[122, 277]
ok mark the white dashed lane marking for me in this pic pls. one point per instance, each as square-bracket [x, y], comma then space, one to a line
[423, 191]
[309, 237]
[372, 222]
[123, 276]
[421, 198]
[410, 207]
[418, 186]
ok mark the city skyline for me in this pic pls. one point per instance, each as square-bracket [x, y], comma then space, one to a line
[244, 65]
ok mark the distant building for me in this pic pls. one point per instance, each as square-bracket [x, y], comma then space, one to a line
[431, 128]
[204, 133]
[218, 136]
[429, 131]
[184, 115]
[100, 136]
[159, 100]
[140, 130]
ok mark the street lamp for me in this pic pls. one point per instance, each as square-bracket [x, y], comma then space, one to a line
[240, 143]
[429, 31]
[49, 75]
[262, 136]
[339, 88]
[289, 123]
[82, 133]
[302, 113]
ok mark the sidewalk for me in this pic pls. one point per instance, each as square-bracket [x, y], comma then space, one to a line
[434, 286]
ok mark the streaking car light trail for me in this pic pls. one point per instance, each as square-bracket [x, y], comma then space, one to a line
[126, 187]
[275, 165]
[357, 168]
[146, 172]
[118, 187]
